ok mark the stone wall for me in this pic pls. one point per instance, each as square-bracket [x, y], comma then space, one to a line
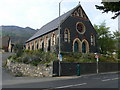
[21, 69]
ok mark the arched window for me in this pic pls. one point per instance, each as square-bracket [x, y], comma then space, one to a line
[92, 40]
[43, 46]
[49, 44]
[37, 46]
[66, 35]
[32, 46]
[53, 39]
[28, 46]
[40, 43]
[46, 40]
[80, 27]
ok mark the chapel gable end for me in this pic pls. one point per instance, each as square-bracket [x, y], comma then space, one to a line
[79, 13]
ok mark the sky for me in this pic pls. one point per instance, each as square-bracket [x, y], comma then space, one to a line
[36, 13]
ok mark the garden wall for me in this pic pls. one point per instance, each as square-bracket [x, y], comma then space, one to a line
[67, 69]
[20, 69]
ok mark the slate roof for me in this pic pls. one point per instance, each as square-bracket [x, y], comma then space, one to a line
[51, 25]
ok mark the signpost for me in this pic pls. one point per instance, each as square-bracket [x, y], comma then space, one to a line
[97, 59]
[60, 59]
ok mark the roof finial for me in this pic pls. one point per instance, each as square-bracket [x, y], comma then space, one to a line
[79, 2]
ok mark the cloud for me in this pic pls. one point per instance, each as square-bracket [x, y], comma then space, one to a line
[36, 13]
[112, 23]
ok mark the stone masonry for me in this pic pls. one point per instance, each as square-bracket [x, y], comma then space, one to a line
[29, 70]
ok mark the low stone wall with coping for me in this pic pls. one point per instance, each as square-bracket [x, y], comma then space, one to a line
[21, 69]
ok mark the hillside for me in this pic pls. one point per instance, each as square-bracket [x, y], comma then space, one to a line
[17, 34]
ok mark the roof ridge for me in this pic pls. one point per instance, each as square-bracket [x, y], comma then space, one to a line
[53, 24]
[56, 18]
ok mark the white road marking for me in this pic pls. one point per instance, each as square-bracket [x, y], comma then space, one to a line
[115, 78]
[71, 85]
[110, 79]
[106, 80]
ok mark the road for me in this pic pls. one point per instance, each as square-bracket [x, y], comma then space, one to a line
[109, 80]
[91, 81]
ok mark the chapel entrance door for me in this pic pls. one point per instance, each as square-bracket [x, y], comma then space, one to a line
[76, 47]
[83, 47]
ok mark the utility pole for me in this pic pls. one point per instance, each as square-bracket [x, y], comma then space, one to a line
[59, 37]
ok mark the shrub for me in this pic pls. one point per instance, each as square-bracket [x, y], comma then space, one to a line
[119, 54]
[34, 57]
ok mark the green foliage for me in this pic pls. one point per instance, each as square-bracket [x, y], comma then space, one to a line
[119, 54]
[78, 57]
[106, 40]
[86, 58]
[18, 48]
[110, 6]
[34, 57]
[117, 39]
[107, 58]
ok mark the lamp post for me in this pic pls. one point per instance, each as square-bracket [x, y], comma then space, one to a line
[59, 36]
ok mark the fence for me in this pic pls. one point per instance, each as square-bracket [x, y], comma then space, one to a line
[70, 69]
[108, 67]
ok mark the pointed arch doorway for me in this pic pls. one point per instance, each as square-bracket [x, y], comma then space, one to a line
[76, 45]
[85, 46]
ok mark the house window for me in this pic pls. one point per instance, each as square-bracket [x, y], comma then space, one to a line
[93, 40]
[66, 35]
[80, 28]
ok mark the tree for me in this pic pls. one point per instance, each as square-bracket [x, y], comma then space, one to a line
[117, 39]
[106, 40]
[18, 48]
[110, 6]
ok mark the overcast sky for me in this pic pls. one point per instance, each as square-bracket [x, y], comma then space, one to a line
[36, 13]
